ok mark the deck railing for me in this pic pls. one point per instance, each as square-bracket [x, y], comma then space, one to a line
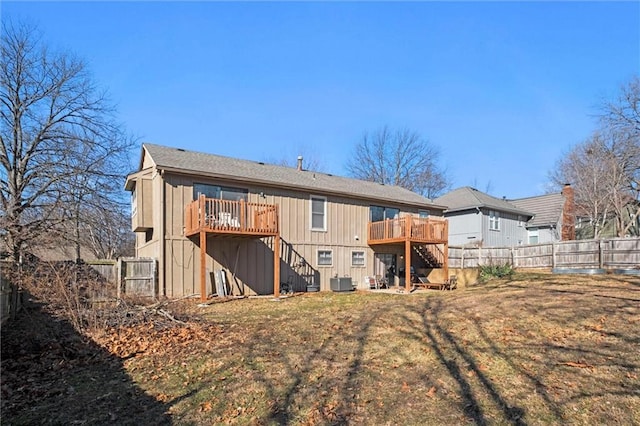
[416, 229]
[230, 217]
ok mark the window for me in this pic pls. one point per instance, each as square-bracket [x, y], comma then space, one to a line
[520, 221]
[357, 258]
[378, 213]
[533, 235]
[423, 213]
[134, 202]
[494, 220]
[219, 192]
[325, 257]
[318, 213]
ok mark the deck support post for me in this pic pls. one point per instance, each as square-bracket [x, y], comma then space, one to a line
[276, 266]
[445, 266]
[203, 266]
[407, 265]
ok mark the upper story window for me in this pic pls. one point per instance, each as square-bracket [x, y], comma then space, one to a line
[378, 213]
[494, 220]
[219, 192]
[318, 213]
[134, 202]
[423, 213]
[520, 221]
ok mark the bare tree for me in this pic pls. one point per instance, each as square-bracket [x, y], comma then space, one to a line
[623, 113]
[59, 140]
[584, 166]
[399, 157]
[605, 169]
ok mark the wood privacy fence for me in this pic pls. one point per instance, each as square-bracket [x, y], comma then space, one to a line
[614, 253]
[131, 275]
[138, 276]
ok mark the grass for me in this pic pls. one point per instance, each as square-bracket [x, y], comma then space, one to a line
[532, 349]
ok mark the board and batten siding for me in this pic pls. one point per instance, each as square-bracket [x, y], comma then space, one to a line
[249, 262]
[509, 234]
[465, 227]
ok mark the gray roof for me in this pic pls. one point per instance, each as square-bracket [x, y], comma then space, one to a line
[190, 162]
[547, 208]
[467, 198]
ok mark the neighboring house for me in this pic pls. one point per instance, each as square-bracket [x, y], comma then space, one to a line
[548, 220]
[199, 214]
[477, 218]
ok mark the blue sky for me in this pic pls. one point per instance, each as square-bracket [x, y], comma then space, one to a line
[501, 88]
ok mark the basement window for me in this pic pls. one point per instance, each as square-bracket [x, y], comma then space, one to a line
[325, 257]
[357, 258]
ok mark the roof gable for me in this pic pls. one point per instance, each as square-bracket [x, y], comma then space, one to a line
[190, 162]
[467, 198]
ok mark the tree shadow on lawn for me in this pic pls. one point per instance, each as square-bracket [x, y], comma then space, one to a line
[461, 365]
[573, 360]
[53, 375]
[501, 356]
[332, 395]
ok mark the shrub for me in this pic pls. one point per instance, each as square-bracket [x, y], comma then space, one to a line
[495, 271]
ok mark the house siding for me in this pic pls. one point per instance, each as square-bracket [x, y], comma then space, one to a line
[249, 262]
[465, 227]
[509, 234]
[548, 235]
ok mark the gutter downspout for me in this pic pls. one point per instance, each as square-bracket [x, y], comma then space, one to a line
[162, 285]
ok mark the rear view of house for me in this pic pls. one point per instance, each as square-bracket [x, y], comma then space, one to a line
[259, 226]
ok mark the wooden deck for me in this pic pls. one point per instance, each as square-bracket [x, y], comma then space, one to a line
[409, 229]
[238, 218]
[209, 216]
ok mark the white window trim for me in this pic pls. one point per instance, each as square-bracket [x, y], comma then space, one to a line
[324, 224]
[494, 218]
[318, 258]
[364, 258]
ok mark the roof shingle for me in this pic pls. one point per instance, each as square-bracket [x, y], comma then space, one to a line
[547, 208]
[466, 198]
[180, 160]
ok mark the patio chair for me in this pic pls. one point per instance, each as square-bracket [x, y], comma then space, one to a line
[381, 282]
[451, 283]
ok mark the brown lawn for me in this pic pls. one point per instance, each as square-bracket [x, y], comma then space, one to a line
[534, 349]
